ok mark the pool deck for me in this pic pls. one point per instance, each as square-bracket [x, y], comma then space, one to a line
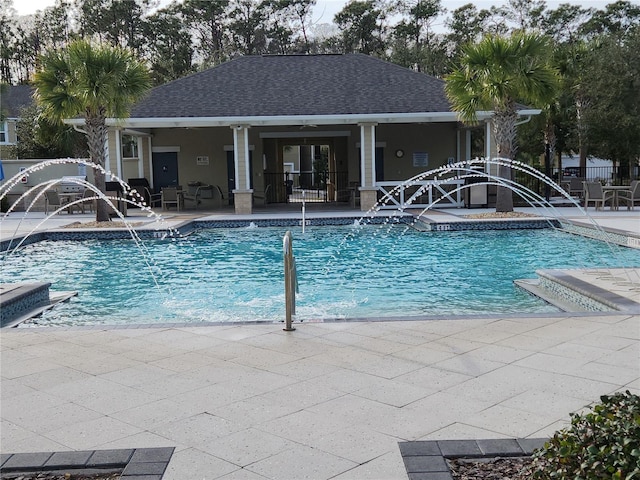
[327, 401]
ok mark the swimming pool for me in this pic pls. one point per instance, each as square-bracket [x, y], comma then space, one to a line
[227, 275]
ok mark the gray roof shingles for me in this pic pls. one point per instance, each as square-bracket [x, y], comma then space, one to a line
[282, 85]
[15, 98]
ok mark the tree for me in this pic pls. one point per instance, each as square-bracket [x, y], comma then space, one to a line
[613, 83]
[361, 25]
[7, 40]
[247, 20]
[94, 82]
[414, 34]
[466, 26]
[206, 20]
[171, 52]
[495, 75]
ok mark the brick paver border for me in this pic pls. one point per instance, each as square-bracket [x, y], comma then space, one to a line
[135, 463]
[426, 460]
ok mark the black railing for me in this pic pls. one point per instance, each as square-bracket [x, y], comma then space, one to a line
[612, 175]
[315, 186]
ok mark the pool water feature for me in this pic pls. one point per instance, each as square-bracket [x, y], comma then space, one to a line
[230, 275]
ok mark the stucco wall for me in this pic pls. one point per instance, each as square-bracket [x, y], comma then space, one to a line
[438, 140]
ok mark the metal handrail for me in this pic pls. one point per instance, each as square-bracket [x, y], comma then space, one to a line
[290, 280]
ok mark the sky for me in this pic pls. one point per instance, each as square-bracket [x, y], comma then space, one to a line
[325, 10]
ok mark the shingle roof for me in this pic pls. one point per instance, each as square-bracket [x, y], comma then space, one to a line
[14, 98]
[277, 85]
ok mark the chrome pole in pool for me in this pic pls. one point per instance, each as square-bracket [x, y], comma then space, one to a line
[303, 211]
[290, 281]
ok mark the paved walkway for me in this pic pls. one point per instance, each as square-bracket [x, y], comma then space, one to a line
[326, 401]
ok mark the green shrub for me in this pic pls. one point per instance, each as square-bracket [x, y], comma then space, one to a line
[603, 443]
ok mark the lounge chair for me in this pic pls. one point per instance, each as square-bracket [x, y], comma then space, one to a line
[630, 197]
[595, 194]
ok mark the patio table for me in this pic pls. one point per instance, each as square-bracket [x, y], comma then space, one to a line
[614, 189]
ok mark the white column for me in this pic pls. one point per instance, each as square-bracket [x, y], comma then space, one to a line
[118, 154]
[107, 158]
[150, 160]
[140, 158]
[487, 138]
[241, 156]
[247, 171]
[368, 154]
[236, 161]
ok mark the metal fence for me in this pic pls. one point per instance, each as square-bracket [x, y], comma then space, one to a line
[287, 187]
[612, 175]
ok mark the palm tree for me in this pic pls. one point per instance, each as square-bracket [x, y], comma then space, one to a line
[495, 75]
[94, 82]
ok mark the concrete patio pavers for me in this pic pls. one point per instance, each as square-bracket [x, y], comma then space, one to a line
[332, 410]
[328, 400]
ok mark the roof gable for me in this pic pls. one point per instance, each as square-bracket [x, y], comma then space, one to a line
[286, 85]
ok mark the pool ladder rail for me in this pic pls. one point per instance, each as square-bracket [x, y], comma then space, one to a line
[290, 281]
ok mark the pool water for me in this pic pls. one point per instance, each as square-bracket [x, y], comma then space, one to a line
[227, 275]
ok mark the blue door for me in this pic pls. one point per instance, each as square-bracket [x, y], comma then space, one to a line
[165, 170]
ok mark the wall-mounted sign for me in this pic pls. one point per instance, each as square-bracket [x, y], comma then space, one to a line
[203, 160]
[420, 159]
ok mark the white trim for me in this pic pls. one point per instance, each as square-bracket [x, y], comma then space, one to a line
[378, 144]
[135, 133]
[307, 134]
[229, 148]
[165, 149]
[4, 128]
[285, 120]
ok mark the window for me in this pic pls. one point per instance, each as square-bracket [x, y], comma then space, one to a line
[4, 132]
[129, 146]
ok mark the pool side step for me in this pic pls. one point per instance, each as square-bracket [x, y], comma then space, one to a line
[533, 287]
[22, 301]
[588, 290]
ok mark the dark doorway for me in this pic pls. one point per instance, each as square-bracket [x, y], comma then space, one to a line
[165, 170]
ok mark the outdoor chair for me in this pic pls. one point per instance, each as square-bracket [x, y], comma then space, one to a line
[576, 187]
[595, 194]
[630, 197]
[88, 201]
[263, 196]
[218, 197]
[200, 192]
[53, 201]
[171, 196]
